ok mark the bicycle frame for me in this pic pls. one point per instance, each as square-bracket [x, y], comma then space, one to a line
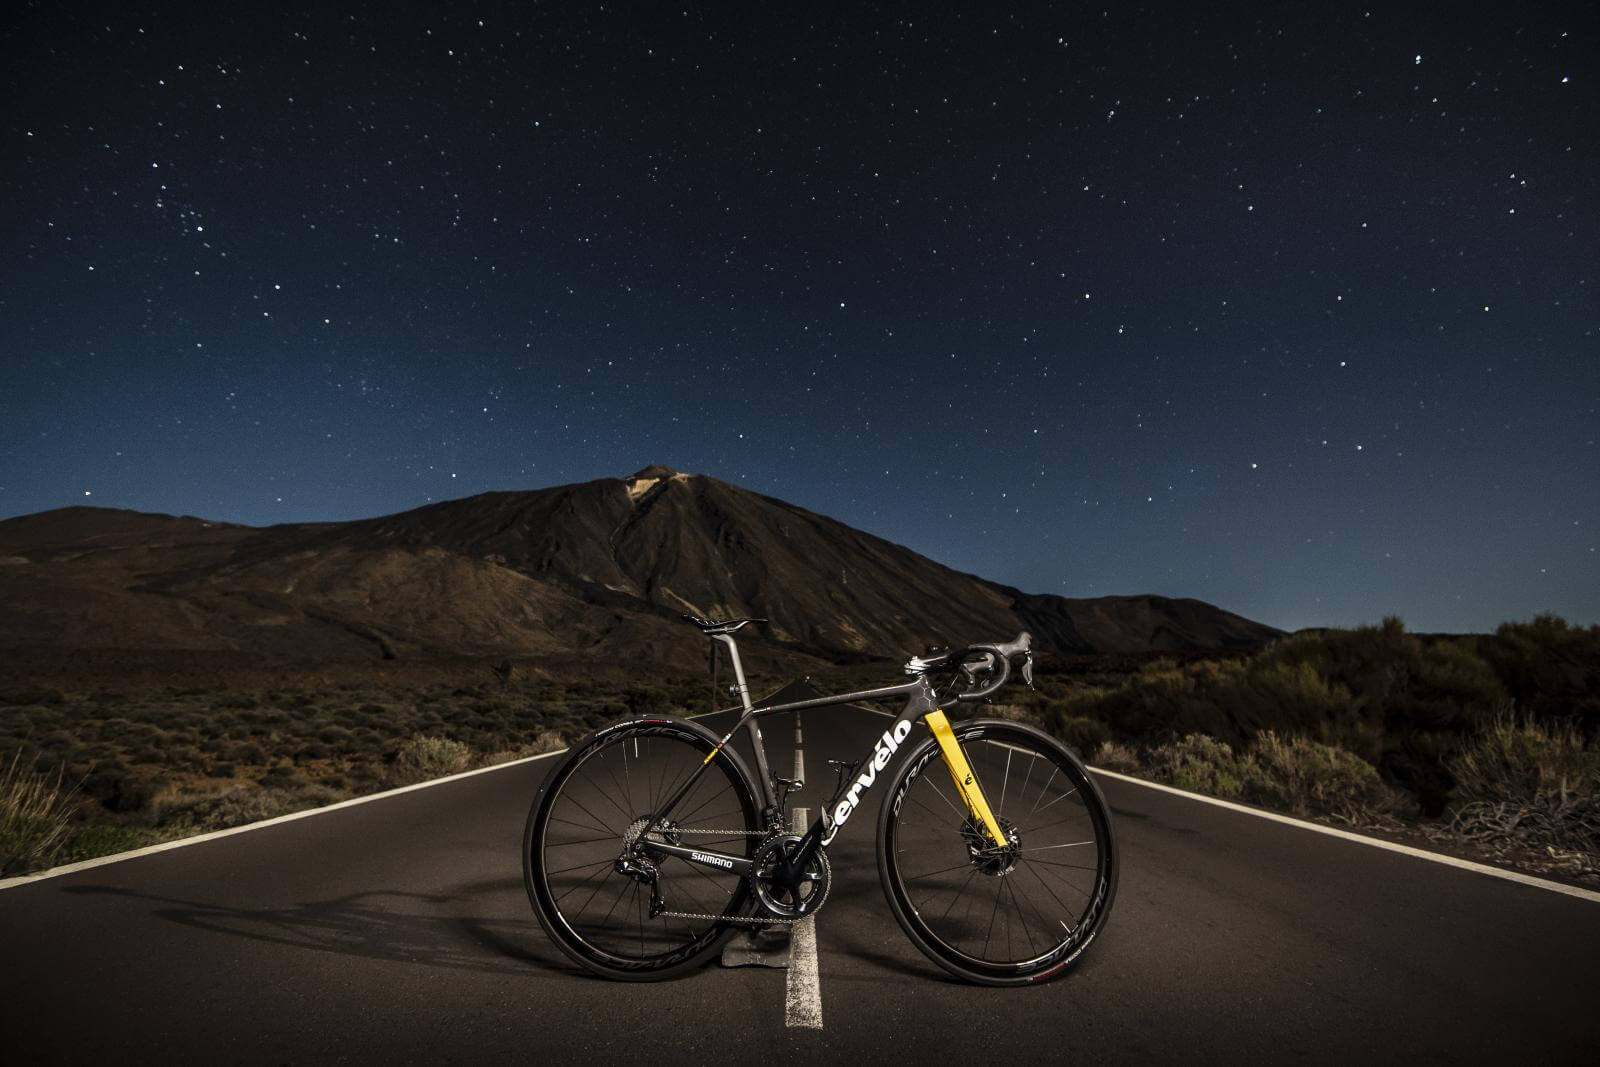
[921, 703]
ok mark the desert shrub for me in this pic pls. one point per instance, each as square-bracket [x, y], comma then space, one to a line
[146, 754]
[1201, 764]
[247, 752]
[542, 742]
[1307, 777]
[1537, 782]
[189, 757]
[545, 741]
[282, 777]
[201, 812]
[1116, 756]
[35, 812]
[423, 757]
[120, 789]
[1082, 735]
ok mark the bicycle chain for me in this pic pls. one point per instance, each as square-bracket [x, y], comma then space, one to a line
[741, 920]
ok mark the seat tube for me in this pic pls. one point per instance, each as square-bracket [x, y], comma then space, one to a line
[751, 725]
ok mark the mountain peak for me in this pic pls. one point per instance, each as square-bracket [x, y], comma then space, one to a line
[641, 482]
[655, 470]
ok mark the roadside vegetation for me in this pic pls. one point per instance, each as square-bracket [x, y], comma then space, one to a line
[1487, 745]
[87, 774]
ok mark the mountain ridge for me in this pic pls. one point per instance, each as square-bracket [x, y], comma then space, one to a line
[603, 566]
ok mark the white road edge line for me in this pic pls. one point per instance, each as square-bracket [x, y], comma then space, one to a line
[199, 839]
[803, 995]
[1347, 835]
[1375, 842]
[118, 857]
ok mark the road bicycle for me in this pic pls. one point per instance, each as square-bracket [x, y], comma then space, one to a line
[651, 841]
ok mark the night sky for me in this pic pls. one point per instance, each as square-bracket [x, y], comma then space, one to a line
[1293, 311]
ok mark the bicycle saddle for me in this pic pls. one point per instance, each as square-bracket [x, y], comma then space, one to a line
[711, 627]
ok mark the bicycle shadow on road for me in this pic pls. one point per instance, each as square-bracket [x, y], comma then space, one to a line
[418, 928]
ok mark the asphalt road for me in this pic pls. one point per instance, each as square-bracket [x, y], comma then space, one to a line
[398, 931]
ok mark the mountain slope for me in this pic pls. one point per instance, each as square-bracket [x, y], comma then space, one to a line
[602, 566]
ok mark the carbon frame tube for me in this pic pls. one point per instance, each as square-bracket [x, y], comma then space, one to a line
[914, 687]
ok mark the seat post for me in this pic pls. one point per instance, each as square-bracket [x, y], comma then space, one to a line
[767, 794]
[738, 669]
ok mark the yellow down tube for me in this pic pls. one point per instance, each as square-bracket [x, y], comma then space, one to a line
[966, 782]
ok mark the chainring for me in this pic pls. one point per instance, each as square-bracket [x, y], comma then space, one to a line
[780, 902]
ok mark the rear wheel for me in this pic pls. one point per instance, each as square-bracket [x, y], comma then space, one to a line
[594, 806]
[1022, 912]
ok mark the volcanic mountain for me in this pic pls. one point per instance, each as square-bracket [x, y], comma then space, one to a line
[597, 568]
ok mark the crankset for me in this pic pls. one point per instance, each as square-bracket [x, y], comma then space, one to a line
[782, 901]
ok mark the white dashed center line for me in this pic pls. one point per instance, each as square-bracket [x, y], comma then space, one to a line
[803, 999]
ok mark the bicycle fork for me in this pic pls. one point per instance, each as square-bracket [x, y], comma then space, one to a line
[967, 786]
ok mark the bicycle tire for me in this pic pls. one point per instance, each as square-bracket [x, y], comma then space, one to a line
[605, 787]
[1002, 921]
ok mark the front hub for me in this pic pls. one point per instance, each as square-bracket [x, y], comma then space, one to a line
[985, 856]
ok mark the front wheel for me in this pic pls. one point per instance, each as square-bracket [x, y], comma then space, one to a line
[1020, 912]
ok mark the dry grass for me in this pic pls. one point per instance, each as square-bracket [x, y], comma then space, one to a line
[35, 817]
[1534, 784]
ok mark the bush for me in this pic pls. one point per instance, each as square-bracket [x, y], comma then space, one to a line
[247, 752]
[119, 789]
[1293, 774]
[1082, 735]
[1115, 756]
[545, 741]
[425, 757]
[1529, 780]
[34, 816]
[218, 811]
[1200, 764]
[1309, 778]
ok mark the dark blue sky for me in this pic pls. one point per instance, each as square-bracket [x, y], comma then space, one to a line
[1293, 311]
